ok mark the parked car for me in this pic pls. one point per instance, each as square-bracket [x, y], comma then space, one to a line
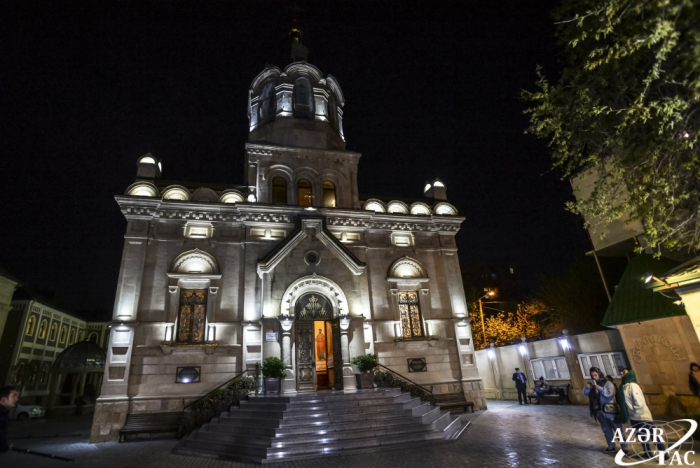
[24, 410]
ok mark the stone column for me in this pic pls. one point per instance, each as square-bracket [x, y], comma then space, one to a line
[74, 388]
[567, 347]
[524, 351]
[289, 382]
[81, 388]
[349, 382]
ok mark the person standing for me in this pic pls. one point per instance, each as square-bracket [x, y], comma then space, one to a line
[694, 379]
[521, 385]
[541, 388]
[8, 400]
[600, 392]
[633, 408]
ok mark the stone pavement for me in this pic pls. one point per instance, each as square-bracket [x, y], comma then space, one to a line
[507, 435]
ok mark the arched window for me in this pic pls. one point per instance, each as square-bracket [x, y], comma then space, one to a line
[329, 194]
[42, 329]
[332, 111]
[279, 191]
[32, 374]
[54, 330]
[44, 374]
[64, 334]
[305, 193]
[19, 374]
[71, 340]
[93, 338]
[267, 104]
[303, 99]
[30, 326]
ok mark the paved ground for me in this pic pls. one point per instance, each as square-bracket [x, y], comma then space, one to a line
[507, 435]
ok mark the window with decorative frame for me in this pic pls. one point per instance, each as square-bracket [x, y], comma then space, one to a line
[551, 368]
[42, 329]
[192, 316]
[44, 374]
[71, 337]
[63, 335]
[610, 363]
[409, 310]
[54, 330]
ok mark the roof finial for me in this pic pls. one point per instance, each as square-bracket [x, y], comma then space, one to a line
[296, 32]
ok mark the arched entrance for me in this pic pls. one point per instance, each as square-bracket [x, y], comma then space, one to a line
[316, 303]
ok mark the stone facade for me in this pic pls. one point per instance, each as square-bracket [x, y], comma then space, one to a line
[215, 278]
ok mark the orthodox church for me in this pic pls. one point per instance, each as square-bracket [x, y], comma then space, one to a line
[293, 263]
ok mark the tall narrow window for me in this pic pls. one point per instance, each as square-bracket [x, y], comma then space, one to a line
[329, 194]
[410, 314]
[64, 334]
[54, 330]
[267, 103]
[71, 340]
[42, 329]
[44, 374]
[193, 304]
[30, 326]
[279, 191]
[93, 338]
[303, 99]
[332, 112]
[305, 193]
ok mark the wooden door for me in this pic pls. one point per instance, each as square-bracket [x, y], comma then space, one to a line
[306, 374]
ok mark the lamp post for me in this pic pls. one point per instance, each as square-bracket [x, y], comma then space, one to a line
[481, 312]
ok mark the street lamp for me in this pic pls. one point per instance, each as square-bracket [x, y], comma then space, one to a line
[481, 312]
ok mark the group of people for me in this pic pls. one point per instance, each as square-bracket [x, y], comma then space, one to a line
[541, 387]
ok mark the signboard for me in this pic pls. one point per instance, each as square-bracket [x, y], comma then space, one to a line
[417, 365]
[271, 336]
[188, 375]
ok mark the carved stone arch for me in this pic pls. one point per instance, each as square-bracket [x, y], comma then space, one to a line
[318, 284]
[269, 72]
[407, 267]
[339, 180]
[286, 173]
[311, 175]
[335, 88]
[299, 69]
[195, 262]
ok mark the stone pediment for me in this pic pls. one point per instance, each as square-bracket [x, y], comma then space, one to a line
[308, 227]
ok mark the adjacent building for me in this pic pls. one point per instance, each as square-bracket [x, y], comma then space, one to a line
[35, 333]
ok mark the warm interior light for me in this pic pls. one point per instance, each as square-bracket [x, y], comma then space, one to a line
[491, 293]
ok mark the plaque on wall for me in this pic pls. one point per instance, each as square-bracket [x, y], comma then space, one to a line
[417, 365]
[188, 375]
[271, 336]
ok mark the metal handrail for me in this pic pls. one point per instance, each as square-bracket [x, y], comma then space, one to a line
[257, 368]
[425, 390]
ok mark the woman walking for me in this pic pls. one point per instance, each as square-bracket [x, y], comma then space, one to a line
[633, 408]
[600, 392]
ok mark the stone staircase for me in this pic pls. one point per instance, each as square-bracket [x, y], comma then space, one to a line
[271, 429]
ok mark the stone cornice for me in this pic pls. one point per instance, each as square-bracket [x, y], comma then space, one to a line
[265, 151]
[155, 208]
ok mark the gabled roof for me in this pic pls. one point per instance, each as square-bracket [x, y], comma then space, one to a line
[269, 263]
[633, 302]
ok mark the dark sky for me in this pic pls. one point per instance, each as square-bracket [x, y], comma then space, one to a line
[431, 90]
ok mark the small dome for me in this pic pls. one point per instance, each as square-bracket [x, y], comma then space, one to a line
[81, 355]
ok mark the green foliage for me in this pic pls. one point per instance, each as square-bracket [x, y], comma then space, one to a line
[625, 109]
[365, 362]
[273, 368]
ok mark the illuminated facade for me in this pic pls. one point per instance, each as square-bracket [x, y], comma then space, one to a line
[291, 261]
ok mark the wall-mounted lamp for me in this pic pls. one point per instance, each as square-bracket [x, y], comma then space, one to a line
[491, 354]
[522, 349]
[564, 343]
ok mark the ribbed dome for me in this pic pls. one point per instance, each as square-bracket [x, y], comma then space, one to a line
[81, 355]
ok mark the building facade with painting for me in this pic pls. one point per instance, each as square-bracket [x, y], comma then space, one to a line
[292, 263]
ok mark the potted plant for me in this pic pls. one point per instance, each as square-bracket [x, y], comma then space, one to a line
[273, 370]
[365, 364]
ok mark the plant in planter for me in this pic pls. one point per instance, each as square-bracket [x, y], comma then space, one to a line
[365, 364]
[273, 370]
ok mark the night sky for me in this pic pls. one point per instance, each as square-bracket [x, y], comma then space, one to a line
[431, 90]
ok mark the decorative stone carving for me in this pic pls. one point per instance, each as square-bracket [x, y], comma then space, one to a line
[651, 340]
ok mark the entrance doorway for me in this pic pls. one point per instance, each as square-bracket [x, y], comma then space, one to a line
[319, 361]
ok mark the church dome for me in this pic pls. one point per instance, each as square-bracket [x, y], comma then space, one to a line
[297, 106]
[81, 355]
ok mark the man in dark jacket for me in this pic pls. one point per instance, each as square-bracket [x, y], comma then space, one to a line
[521, 385]
[8, 400]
